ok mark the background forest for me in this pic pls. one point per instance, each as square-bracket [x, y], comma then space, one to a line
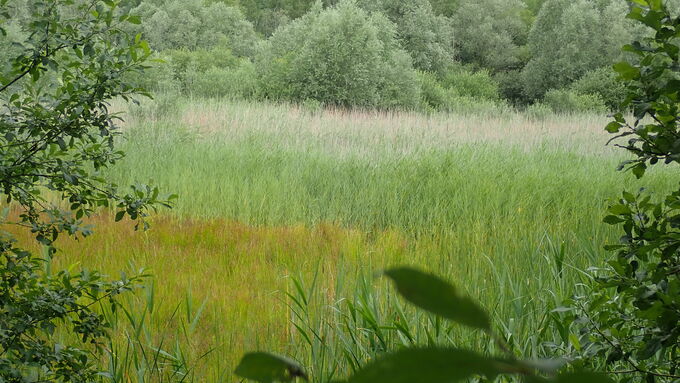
[436, 55]
[418, 54]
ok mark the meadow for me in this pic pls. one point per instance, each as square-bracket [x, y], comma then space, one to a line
[286, 213]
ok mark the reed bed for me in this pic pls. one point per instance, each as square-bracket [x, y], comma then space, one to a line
[285, 213]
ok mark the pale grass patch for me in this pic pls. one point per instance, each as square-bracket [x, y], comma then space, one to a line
[366, 133]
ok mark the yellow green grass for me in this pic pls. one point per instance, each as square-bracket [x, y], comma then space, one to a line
[507, 207]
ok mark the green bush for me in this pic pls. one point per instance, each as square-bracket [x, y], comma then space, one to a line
[426, 36]
[510, 86]
[629, 316]
[490, 33]
[570, 38]
[467, 105]
[195, 24]
[234, 83]
[159, 76]
[205, 73]
[266, 21]
[603, 83]
[268, 15]
[570, 102]
[479, 85]
[434, 97]
[201, 59]
[57, 138]
[187, 69]
[462, 97]
[338, 56]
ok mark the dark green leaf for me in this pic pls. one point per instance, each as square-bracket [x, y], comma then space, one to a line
[134, 19]
[120, 215]
[438, 296]
[639, 170]
[620, 209]
[266, 368]
[612, 220]
[627, 71]
[430, 365]
[613, 127]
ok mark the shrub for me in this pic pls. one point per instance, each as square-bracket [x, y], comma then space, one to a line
[603, 83]
[570, 38]
[268, 15]
[157, 76]
[399, 87]
[434, 97]
[182, 69]
[269, 20]
[338, 56]
[193, 24]
[460, 91]
[490, 33]
[427, 37]
[57, 136]
[235, 83]
[630, 316]
[207, 73]
[510, 86]
[467, 105]
[570, 102]
[479, 85]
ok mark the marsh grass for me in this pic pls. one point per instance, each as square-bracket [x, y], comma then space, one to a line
[277, 165]
[285, 214]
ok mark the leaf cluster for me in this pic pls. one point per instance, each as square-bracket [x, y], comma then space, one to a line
[57, 135]
[37, 308]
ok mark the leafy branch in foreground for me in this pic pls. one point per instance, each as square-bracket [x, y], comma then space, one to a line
[56, 136]
[434, 364]
[631, 317]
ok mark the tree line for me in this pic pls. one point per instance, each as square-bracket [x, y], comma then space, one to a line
[432, 55]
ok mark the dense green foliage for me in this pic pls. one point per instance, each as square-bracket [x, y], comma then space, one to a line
[601, 82]
[194, 24]
[427, 37]
[338, 56]
[64, 61]
[56, 135]
[570, 38]
[569, 101]
[491, 34]
[529, 47]
[460, 91]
